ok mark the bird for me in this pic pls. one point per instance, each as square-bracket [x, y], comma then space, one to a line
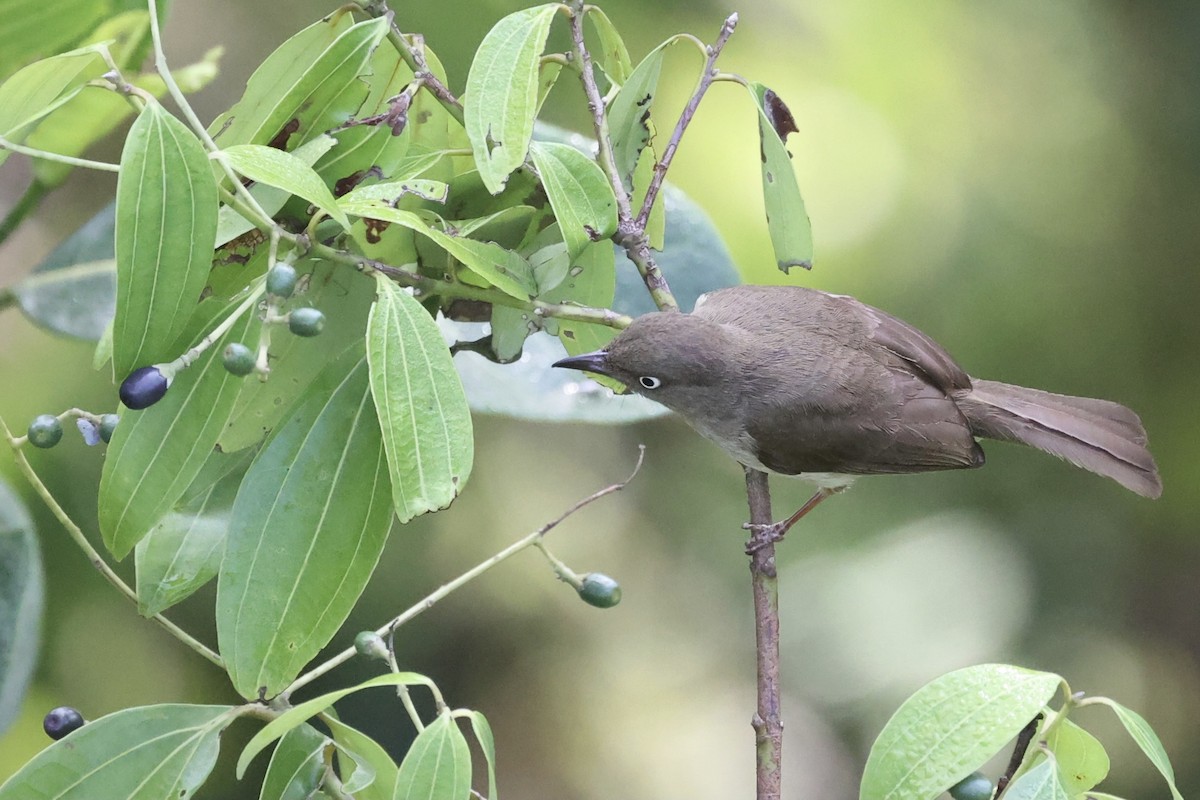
[801, 382]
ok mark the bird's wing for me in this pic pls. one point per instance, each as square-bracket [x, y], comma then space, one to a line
[914, 428]
[926, 356]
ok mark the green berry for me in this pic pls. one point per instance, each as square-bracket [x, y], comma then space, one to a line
[975, 786]
[281, 280]
[45, 431]
[306, 321]
[370, 644]
[600, 590]
[108, 424]
[238, 359]
[61, 721]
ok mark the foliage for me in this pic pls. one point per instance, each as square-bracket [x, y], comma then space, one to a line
[404, 212]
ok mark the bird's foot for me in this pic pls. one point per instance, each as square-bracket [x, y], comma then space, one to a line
[763, 535]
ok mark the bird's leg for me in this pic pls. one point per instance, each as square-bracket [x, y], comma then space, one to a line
[767, 534]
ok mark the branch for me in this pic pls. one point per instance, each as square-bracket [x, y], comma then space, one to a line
[424, 605]
[94, 557]
[768, 725]
[630, 234]
[689, 111]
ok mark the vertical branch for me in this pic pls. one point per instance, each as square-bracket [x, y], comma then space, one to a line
[768, 725]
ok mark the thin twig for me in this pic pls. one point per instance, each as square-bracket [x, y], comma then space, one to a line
[689, 111]
[432, 599]
[99, 563]
[630, 235]
[768, 723]
[45, 155]
[1018, 754]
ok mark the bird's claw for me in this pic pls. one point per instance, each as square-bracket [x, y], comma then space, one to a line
[762, 535]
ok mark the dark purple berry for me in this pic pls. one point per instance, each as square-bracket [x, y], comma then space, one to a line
[306, 321]
[144, 387]
[45, 431]
[600, 590]
[61, 721]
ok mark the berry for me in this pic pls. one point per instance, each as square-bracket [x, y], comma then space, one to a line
[281, 280]
[975, 786]
[369, 644]
[306, 321]
[45, 431]
[144, 387]
[238, 359]
[61, 721]
[108, 424]
[600, 590]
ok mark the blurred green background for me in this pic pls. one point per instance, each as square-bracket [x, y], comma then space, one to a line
[1021, 180]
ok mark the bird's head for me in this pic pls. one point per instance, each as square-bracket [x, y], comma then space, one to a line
[673, 358]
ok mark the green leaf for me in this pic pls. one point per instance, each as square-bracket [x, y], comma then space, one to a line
[166, 221]
[950, 727]
[365, 750]
[22, 592]
[144, 753]
[1082, 762]
[787, 219]
[231, 224]
[487, 742]
[510, 328]
[580, 195]
[390, 192]
[309, 85]
[156, 453]
[1043, 782]
[629, 112]
[344, 296]
[438, 765]
[504, 269]
[297, 766]
[422, 409]
[183, 551]
[97, 111]
[284, 171]
[33, 29]
[76, 301]
[502, 92]
[614, 57]
[35, 91]
[1146, 739]
[308, 525]
[298, 715]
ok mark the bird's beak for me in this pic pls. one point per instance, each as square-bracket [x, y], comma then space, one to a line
[590, 362]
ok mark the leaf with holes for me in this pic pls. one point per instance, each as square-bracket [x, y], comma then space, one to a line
[308, 525]
[950, 727]
[422, 408]
[580, 195]
[787, 219]
[166, 221]
[502, 92]
[629, 112]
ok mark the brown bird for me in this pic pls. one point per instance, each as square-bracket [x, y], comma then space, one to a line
[802, 382]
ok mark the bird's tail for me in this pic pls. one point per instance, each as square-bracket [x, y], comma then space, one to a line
[1103, 437]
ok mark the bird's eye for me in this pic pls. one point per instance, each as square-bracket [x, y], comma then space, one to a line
[649, 382]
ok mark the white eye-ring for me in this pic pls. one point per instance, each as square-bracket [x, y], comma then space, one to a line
[649, 382]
